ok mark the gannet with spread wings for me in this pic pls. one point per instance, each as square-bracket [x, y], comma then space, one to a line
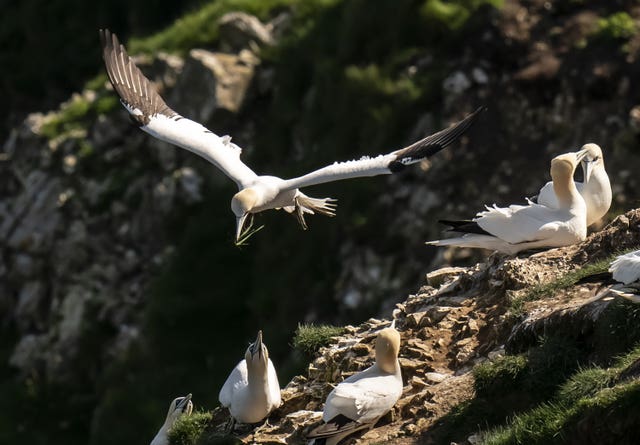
[256, 193]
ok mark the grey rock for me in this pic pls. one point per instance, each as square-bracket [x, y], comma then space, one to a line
[239, 30]
[30, 300]
[212, 82]
[456, 83]
[30, 350]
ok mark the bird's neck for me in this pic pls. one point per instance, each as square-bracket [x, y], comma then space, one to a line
[257, 377]
[566, 191]
[389, 366]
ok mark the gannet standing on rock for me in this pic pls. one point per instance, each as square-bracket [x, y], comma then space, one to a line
[516, 228]
[252, 390]
[256, 193]
[624, 272]
[179, 407]
[595, 188]
[360, 400]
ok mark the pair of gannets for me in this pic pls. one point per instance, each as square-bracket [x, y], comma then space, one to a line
[559, 218]
[256, 193]
[179, 406]
[360, 400]
[252, 389]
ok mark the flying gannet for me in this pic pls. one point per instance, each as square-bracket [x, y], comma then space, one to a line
[179, 407]
[252, 390]
[595, 188]
[517, 227]
[256, 193]
[623, 278]
[360, 400]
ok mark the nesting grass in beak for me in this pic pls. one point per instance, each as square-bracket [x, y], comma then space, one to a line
[242, 236]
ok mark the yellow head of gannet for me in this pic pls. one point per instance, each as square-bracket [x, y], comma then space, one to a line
[562, 168]
[242, 204]
[387, 349]
[179, 406]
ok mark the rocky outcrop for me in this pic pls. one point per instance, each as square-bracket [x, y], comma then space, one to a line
[446, 331]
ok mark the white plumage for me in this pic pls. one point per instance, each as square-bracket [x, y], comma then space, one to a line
[252, 389]
[522, 227]
[625, 269]
[256, 193]
[595, 188]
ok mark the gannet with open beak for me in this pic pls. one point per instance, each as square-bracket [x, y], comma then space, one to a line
[595, 188]
[516, 228]
[179, 406]
[360, 400]
[252, 390]
[623, 278]
[256, 193]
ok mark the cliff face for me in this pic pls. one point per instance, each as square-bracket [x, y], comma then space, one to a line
[119, 284]
[482, 345]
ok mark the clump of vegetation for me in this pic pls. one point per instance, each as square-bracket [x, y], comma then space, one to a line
[188, 429]
[618, 26]
[309, 338]
[502, 373]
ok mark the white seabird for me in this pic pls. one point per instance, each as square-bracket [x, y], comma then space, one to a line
[256, 193]
[517, 227]
[179, 406]
[252, 390]
[360, 400]
[624, 278]
[595, 188]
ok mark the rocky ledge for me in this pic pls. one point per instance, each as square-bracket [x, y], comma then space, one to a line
[462, 318]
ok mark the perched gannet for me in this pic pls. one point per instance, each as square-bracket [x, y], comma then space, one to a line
[595, 190]
[256, 193]
[516, 228]
[623, 278]
[252, 390]
[179, 407]
[360, 400]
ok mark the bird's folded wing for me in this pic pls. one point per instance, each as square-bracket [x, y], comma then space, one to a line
[387, 163]
[151, 113]
[274, 384]
[518, 224]
[626, 268]
[338, 425]
[237, 377]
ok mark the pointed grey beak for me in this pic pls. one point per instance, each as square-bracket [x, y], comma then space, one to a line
[257, 345]
[239, 224]
[182, 404]
[587, 168]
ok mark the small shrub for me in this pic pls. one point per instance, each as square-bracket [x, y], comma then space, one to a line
[617, 26]
[309, 337]
[188, 429]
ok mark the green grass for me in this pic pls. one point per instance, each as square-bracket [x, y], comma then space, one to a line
[188, 429]
[499, 374]
[309, 338]
[584, 399]
[453, 14]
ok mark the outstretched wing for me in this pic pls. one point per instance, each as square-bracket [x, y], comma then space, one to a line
[388, 163]
[152, 114]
